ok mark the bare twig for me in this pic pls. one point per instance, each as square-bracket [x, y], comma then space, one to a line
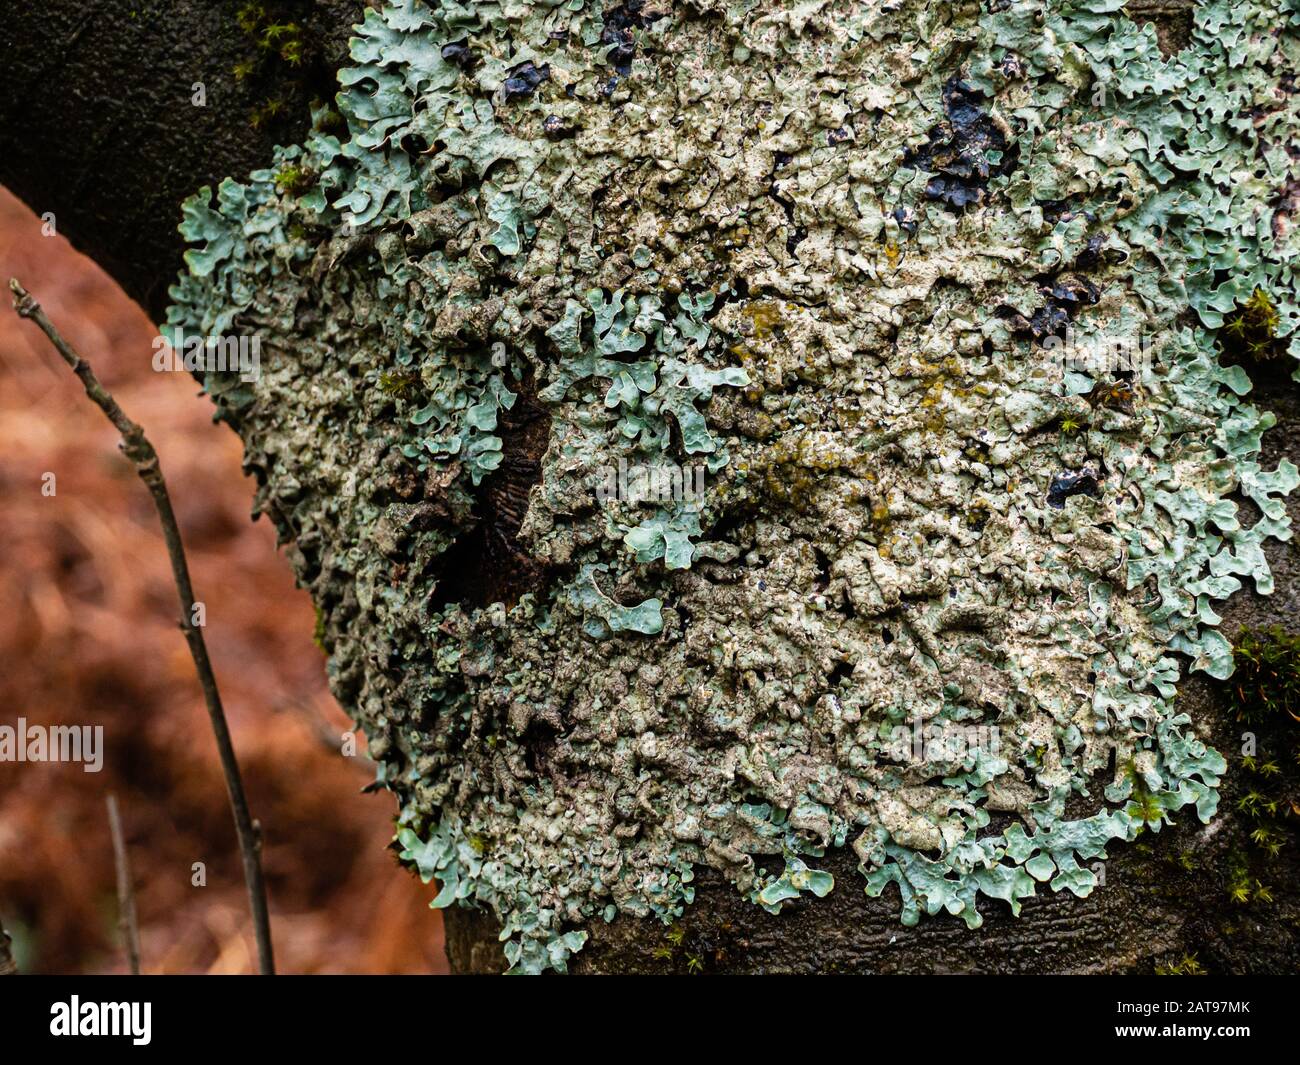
[7, 966]
[137, 448]
[126, 918]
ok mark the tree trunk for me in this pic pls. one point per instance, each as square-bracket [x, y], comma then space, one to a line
[98, 126]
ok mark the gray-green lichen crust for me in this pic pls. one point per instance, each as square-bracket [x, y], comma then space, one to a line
[827, 251]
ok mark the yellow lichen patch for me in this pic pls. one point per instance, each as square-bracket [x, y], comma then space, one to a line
[765, 316]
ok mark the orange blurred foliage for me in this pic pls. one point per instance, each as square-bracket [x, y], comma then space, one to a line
[88, 636]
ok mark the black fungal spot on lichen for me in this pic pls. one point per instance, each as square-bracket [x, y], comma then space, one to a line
[1064, 210]
[458, 54]
[1012, 67]
[524, 80]
[1065, 485]
[906, 219]
[618, 33]
[555, 128]
[1090, 257]
[1063, 297]
[956, 151]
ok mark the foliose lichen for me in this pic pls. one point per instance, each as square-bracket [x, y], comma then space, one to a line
[830, 251]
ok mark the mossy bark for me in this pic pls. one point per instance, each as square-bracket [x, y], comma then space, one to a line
[98, 125]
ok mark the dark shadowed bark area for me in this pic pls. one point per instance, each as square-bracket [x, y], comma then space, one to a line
[97, 125]
[7, 967]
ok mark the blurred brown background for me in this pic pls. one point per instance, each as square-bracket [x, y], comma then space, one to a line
[88, 636]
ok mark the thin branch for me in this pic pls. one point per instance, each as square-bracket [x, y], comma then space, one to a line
[137, 448]
[126, 917]
[7, 966]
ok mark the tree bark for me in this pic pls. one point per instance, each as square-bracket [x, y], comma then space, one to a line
[7, 966]
[97, 125]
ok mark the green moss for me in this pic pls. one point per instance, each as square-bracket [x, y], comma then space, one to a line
[281, 41]
[318, 629]
[1251, 331]
[294, 180]
[1265, 683]
[281, 55]
[1244, 887]
[1187, 965]
[266, 113]
[1264, 694]
[396, 382]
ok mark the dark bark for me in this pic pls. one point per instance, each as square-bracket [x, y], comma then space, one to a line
[7, 966]
[97, 125]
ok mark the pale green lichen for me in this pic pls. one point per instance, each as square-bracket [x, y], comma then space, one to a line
[824, 247]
